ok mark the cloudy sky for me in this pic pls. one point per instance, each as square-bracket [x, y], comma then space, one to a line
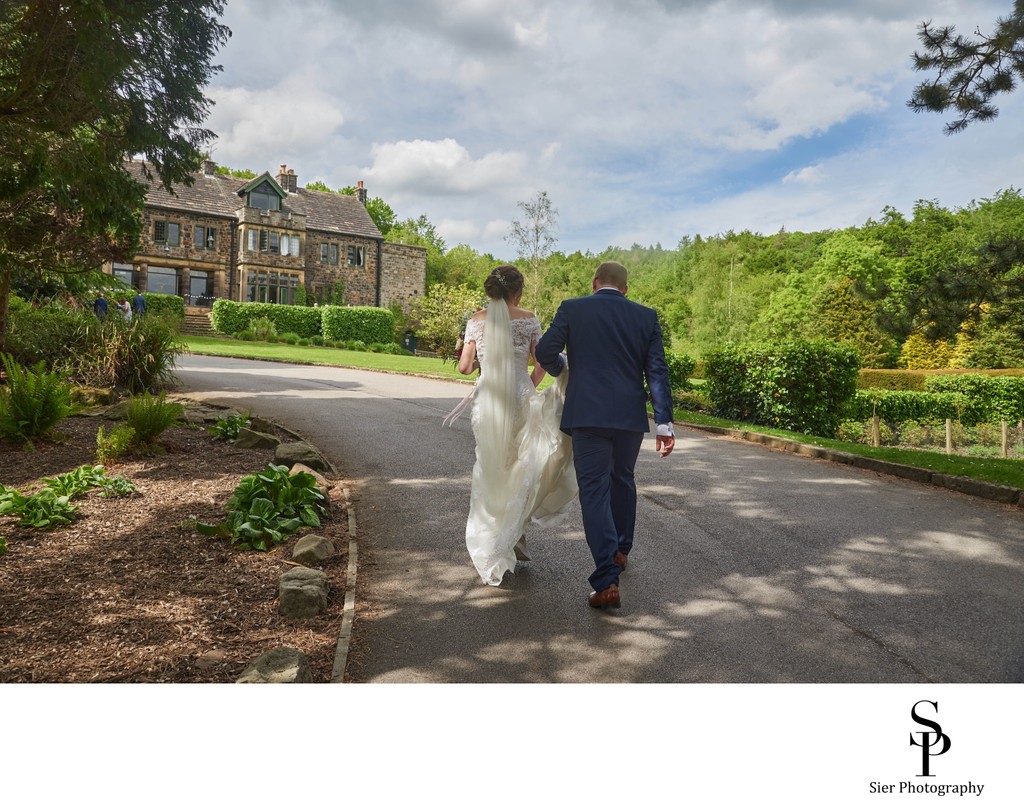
[644, 120]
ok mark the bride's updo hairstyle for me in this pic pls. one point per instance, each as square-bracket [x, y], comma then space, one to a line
[503, 283]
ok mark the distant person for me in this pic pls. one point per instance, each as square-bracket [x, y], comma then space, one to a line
[99, 306]
[139, 304]
[124, 308]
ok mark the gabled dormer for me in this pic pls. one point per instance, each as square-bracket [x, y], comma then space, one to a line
[263, 193]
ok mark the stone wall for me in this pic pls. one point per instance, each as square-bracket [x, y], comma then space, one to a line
[360, 282]
[403, 274]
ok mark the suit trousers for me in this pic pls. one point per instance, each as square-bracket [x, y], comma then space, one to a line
[605, 459]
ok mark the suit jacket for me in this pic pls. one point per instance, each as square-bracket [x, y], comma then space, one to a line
[613, 345]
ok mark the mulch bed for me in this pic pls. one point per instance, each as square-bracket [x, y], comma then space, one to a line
[130, 592]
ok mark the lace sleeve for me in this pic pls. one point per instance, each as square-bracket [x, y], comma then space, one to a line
[534, 331]
[474, 331]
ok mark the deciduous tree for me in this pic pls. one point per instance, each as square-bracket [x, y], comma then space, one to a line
[534, 238]
[85, 84]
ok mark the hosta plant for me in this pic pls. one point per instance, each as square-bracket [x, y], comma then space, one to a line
[267, 506]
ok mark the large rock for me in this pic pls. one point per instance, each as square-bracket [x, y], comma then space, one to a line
[313, 549]
[302, 592]
[281, 665]
[251, 439]
[294, 452]
[322, 483]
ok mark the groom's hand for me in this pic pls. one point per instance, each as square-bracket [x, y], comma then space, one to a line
[664, 444]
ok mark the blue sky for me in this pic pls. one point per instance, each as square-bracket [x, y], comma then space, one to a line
[644, 120]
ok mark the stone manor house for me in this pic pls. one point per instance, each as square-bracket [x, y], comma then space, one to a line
[261, 240]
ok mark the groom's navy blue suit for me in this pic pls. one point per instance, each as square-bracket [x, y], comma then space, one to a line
[613, 345]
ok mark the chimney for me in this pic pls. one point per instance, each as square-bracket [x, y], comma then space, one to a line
[287, 179]
[360, 192]
[209, 168]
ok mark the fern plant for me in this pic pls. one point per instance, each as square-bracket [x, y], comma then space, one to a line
[115, 444]
[34, 402]
[150, 416]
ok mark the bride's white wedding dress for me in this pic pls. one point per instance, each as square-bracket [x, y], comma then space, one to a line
[523, 468]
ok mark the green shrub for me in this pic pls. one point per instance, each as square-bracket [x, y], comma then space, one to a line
[896, 406]
[150, 416]
[34, 401]
[231, 317]
[680, 369]
[368, 324]
[159, 305]
[134, 356]
[267, 506]
[42, 510]
[800, 385]
[994, 398]
[48, 334]
[262, 328]
[115, 445]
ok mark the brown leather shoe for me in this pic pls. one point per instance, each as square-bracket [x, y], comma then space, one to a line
[608, 597]
[620, 559]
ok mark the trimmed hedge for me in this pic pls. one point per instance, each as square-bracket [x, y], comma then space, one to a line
[680, 369]
[897, 406]
[157, 304]
[368, 324]
[800, 385]
[996, 397]
[231, 317]
[891, 380]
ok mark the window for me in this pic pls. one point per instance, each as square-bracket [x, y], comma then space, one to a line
[252, 239]
[125, 273]
[275, 242]
[204, 238]
[165, 232]
[264, 241]
[296, 245]
[272, 287]
[323, 254]
[285, 241]
[200, 288]
[163, 280]
[264, 197]
[356, 256]
[334, 254]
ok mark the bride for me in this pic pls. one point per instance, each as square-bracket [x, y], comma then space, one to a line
[523, 468]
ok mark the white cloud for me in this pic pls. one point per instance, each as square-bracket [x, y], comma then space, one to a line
[289, 118]
[809, 175]
[643, 120]
[440, 167]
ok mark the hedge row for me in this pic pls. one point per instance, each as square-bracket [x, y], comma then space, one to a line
[998, 397]
[897, 406]
[157, 304]
[800, 385]
[968, 398]
[680, 370]
[366, 323]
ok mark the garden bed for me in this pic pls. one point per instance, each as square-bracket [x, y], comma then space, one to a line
[130, 592]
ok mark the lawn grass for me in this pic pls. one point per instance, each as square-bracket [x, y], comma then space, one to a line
[321, 355]
[1004, 471]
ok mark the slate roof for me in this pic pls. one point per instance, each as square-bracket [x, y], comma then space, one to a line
[217, 195]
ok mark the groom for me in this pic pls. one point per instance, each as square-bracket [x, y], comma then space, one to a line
[612, 345]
